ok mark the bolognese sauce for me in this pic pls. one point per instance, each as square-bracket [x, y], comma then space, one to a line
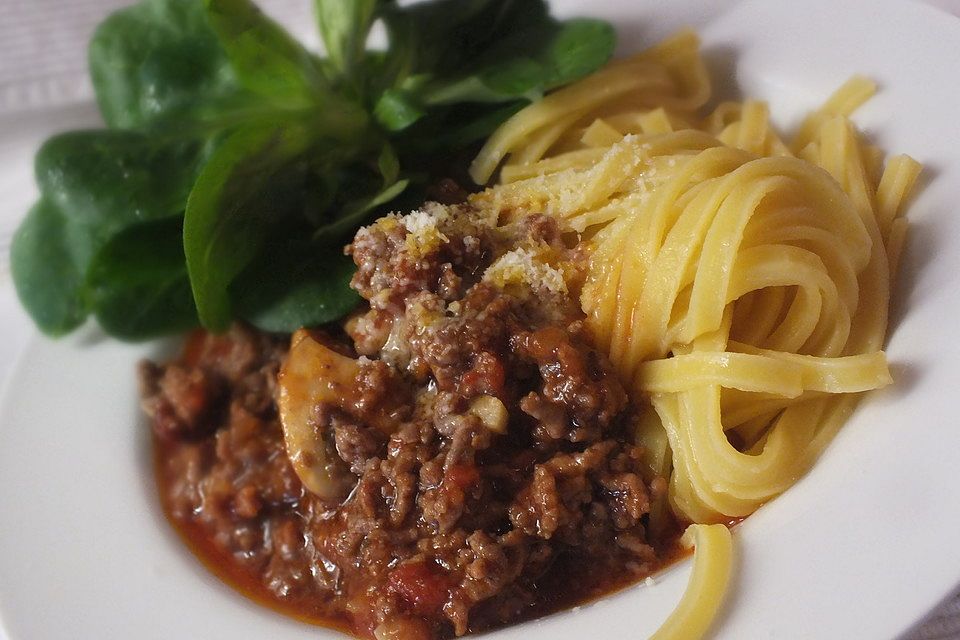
[485, 447]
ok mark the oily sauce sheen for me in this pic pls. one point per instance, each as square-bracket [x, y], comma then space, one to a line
[223, 563]
[571, 582]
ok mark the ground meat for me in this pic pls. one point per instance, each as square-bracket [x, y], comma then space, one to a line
[447, 191]
[584, 499]
[449, 245]
[355, 445]
[186, 399]
[460, 519]
[181, 401]
[464, 350]
[577, 401]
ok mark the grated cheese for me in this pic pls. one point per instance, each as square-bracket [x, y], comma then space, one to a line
[525, 267]
[423, 228]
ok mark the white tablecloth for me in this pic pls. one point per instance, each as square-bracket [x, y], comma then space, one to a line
[44, 87]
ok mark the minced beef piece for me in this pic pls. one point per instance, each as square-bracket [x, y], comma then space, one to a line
[489, 444]
[436, 248]
[180, 400]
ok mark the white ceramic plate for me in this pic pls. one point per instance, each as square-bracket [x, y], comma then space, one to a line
[860, 548]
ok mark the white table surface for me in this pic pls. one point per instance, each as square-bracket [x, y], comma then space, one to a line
[44, 88]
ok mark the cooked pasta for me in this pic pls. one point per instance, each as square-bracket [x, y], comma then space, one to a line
[738, 282]
[711, 571]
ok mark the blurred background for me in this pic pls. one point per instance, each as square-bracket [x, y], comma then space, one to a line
[44, 88]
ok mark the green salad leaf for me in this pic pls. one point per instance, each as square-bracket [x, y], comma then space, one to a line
[236, 162]
[344, 27]
[159, 60]
[138, 285]
[295, 285]
[513, 68]
[266, 59]
[94, 185]
[109, 180]
[47, 273]
[237, 196]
